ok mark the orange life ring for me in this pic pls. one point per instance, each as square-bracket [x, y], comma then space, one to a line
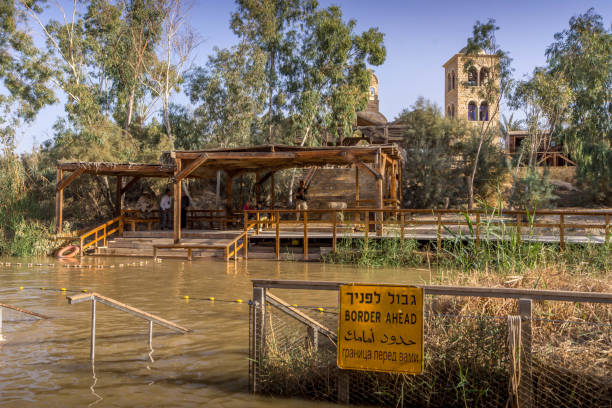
[69, 251]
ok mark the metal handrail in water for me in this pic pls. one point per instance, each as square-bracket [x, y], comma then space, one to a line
[95, 297]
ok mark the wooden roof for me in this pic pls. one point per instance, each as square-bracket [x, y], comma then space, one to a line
[205, 163]
[277, 157]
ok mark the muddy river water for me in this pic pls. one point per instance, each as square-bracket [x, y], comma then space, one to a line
[45, 363]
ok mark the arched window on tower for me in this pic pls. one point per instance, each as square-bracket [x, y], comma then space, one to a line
[484, 111]
[452, 111]
[448, 111]
[472, 77]
[484, 75]
[448, 79]
[472, 111]
[372, 92]
[453, 79]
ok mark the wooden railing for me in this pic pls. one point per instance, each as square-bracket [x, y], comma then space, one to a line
[101, 233]
[135, 217]
[479, 222]
[231, 249]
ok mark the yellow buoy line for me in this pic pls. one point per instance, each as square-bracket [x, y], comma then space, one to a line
[250, 302]
[75, 266]
[211, 299]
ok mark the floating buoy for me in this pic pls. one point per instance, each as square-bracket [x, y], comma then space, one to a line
[63, 289]
[238, 300]
[21, 288]
[84, 290]
[320, 309]
[294, 305]
[211, 298]
[69, 251]
[185, 297]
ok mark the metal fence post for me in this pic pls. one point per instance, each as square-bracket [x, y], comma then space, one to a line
[562, 231]
[525, 393]
[258, 345]
[92, 353]
[312, 340]
[1, 336]
[439, 234]
[343, 387]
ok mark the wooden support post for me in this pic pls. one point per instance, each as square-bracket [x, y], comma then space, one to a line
[518, 228]
[272, 192]
[118, 196]
[258, 344]
[607, 230]
[305, 235]
[356, 186]
[335, 230]
[562, 231]
[92, 351]
[367, 227]
[245, 248]
[379, 216]
[228, 193]
[312, 339]
[176, 228]
[400, 178]
[394, 184]
[277, 236]
[402, 226]
[343, 387]
[526, 381]
[59, 202]
[439, 234]
[257, 226]
[477, 230]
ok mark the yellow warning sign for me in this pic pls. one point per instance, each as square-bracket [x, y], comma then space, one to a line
[380, 328]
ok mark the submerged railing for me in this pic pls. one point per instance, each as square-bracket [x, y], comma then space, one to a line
[17, 309]
[95, 297]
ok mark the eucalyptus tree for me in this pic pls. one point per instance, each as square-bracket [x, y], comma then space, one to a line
[272, 26]
[582, 55]
[229, 96]
[482, 45]
[328, 76]
[25, 72]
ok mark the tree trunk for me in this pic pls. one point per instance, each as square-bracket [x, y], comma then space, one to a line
[270, 100]
[128, 118]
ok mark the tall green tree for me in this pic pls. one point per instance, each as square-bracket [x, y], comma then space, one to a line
[272, 26]
[25, 72]
[229, 96]
[483, 45]
[582, 54]
[329, 78]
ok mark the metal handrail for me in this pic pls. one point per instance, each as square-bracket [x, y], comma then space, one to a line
[95, 297]
[20, 310]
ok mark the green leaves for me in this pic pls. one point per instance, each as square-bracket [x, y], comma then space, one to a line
[582, 55]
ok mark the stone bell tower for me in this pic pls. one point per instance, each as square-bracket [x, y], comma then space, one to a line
[461, 88]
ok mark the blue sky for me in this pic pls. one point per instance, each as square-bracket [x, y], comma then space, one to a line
[419, 36]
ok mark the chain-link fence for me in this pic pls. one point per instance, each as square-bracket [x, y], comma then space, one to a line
[471, 360]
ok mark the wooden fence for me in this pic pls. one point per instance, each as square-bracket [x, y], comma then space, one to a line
[371, 220]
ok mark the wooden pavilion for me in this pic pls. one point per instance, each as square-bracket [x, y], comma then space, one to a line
[382, 162]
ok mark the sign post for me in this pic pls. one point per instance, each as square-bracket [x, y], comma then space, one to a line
[380, 328]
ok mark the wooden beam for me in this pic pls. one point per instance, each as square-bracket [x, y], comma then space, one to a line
[176, 227]
[228, 192]
[356, 186]
[191, 167]
[69, 179]
[236, 155]
[59, 202]
[130, 184]
[118, 196]
[351, 157]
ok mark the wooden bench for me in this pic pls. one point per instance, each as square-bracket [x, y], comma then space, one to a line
[189, 248]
